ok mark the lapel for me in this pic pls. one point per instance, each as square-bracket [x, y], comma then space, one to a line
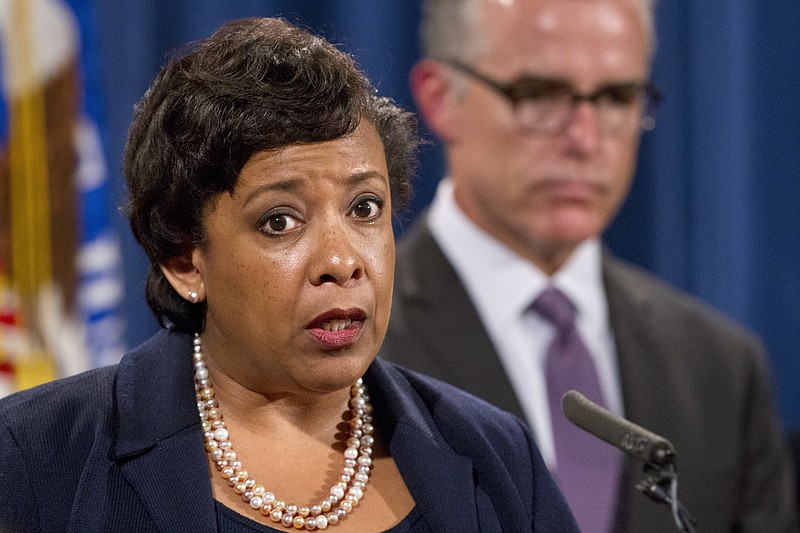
[629, 315]
[429, 466]
[159, 436]
[643, 331]
[642, 336]
[437, 308]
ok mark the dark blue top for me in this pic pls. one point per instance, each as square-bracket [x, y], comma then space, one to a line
[96, 452]
[229, 521]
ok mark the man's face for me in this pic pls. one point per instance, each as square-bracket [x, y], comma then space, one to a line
[542, 194]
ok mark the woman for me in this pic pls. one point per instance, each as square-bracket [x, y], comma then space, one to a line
[262, 171]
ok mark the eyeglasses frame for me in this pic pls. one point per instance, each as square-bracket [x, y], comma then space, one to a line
[651, 93]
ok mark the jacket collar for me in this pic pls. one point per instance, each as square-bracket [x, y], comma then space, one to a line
[154, 383]
[158, 434]
[633, 301]
[422, 454]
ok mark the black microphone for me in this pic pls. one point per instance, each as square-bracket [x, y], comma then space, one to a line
[617, 431]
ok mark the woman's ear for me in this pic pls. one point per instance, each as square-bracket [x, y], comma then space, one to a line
[183, 274]
[431, 86]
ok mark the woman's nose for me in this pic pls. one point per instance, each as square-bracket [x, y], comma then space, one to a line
[338, 259]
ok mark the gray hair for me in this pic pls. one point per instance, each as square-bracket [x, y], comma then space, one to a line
[449, 28]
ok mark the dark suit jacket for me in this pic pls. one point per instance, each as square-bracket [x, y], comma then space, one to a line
[687, 373]
[794, 446]
[121, 449]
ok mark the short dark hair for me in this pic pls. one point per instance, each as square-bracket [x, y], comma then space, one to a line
[255, 84]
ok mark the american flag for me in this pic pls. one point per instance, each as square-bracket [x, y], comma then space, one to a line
[60, 267]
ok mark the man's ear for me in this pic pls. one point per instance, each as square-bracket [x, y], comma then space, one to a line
[183, 274]
[431, 86]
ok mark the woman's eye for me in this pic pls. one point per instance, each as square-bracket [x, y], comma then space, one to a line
[368, 208]
[278, 223]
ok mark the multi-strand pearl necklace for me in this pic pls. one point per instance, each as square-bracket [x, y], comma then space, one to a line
[343, 497]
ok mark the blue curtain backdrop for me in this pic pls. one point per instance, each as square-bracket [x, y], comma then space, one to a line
[715, 208]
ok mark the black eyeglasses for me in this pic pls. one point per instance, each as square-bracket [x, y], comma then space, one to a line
[545, 105]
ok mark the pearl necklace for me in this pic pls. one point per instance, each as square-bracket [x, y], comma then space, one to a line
[343, 497]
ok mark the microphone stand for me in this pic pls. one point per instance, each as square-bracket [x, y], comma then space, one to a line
[661, 485]
[657, 453]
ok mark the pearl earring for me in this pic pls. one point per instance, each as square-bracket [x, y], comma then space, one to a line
[193, 296]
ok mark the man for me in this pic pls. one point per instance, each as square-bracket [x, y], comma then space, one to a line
[539, 104]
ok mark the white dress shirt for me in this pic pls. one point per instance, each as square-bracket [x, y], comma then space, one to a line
[502, 286]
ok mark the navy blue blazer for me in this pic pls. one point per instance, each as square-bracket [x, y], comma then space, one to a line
[121, 449]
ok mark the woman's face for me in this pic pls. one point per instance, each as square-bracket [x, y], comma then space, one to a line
[298, 265]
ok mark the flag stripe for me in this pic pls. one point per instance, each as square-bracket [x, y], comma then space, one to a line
[31, 253]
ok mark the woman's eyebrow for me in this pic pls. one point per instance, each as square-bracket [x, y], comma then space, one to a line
[289, 184]
[366, 175]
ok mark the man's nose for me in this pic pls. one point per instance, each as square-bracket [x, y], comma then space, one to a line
[583, 126]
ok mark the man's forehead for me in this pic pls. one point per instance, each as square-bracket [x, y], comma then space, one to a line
[606, 39]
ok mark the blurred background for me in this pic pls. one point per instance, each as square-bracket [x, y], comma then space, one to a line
[715, 208]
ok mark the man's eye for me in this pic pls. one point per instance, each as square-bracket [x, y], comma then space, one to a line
[367, 208]
[278, 223]
[620, 94]
[538, 90]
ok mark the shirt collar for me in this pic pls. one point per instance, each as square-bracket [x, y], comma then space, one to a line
[581, 279]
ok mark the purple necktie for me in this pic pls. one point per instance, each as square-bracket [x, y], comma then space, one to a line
[588, 469]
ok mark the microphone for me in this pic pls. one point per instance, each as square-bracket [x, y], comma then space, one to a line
[617, 431]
